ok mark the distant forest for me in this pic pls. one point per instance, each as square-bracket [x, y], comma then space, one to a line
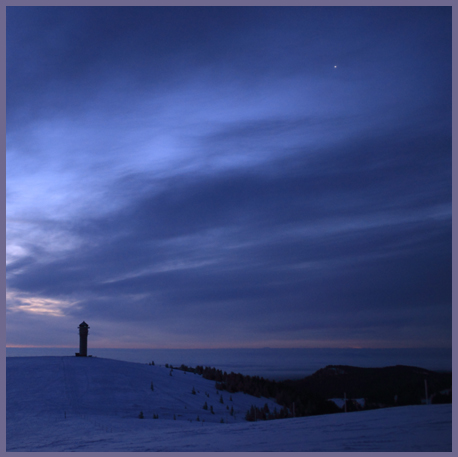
[379, 387]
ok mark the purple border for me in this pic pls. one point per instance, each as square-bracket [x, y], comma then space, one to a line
[3, 226]
[5, 3]
[454, 213]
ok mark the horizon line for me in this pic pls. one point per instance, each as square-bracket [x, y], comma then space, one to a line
[227, 348]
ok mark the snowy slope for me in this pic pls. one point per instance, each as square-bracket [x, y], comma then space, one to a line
[92, 404]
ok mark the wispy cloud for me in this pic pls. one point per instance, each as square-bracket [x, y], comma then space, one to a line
[209, 177]
[27, 303]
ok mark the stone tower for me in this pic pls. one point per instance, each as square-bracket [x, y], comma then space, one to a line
[84, 331]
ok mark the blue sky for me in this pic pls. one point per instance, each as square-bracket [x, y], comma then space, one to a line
[229, 177]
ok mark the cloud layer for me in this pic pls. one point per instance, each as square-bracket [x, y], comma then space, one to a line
[196, 177]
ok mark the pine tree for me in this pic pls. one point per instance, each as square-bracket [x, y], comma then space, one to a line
[205, 406]
[221, 399]
[193, 391]
[211, 409]
[141, 416]
[152, 387]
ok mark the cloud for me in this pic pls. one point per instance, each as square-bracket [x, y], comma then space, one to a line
[26, 303]
[249, 247]
[208, 176]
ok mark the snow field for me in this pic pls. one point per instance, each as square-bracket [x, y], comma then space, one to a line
[92, 404]
[104, 387]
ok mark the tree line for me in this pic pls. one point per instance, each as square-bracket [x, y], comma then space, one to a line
[292, 401]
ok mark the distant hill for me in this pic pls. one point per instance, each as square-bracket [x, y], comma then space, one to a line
[389, 386]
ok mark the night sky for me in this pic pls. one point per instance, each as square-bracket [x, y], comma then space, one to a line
[229, 177]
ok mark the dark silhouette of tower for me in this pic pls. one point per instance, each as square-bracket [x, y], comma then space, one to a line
[84, 330]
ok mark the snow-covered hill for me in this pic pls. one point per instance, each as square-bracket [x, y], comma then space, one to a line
[93, 404]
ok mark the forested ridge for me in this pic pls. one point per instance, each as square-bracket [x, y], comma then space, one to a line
[379, 387]
[398, 385]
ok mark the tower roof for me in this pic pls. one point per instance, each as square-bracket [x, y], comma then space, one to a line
[83, 324]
